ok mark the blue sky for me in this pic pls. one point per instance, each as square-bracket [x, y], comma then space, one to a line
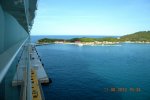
[91, 17]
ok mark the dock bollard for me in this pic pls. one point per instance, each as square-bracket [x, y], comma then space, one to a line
[42, 64]
[18, 60]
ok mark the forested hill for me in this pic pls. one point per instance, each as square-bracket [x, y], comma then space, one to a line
[138, 36]
[143, 36]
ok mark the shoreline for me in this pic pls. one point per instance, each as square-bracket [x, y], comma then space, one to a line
[141, 37]
[104, 43]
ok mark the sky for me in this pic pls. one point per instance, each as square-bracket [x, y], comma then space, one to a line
[91, 17]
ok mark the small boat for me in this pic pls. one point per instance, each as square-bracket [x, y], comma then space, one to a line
[80, 44]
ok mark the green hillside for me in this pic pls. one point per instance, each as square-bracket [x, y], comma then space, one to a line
[47, 40]
[138, 36]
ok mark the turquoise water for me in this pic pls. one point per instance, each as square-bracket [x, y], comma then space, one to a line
[85, 73]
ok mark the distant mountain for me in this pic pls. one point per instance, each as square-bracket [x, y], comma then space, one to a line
[138, 36]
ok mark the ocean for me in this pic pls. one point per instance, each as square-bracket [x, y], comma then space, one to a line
[96, 72]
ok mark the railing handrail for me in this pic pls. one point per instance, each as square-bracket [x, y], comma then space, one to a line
[9, 56]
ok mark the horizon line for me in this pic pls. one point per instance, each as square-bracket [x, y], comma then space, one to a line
[71, 35]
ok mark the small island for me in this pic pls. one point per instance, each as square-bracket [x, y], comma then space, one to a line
[138, 37]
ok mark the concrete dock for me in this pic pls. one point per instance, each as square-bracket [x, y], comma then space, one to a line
[37, 65]
[38, 74]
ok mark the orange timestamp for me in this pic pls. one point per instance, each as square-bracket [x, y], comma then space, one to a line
[121, 89]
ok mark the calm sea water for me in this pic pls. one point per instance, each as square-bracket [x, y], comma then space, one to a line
[93, 72]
